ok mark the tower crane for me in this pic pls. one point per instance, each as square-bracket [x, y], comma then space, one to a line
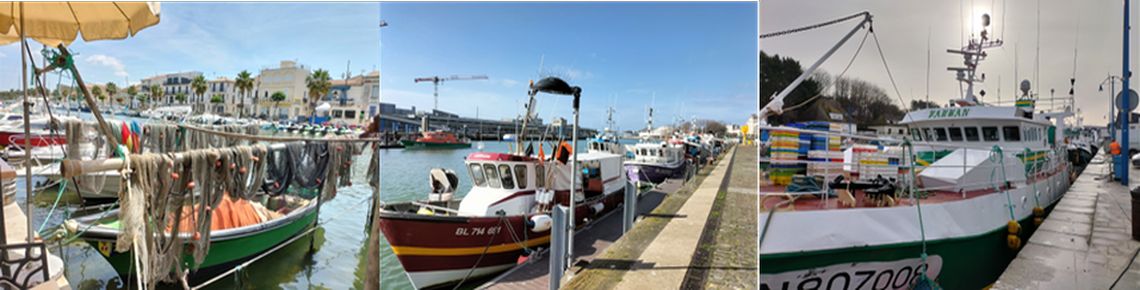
[436, 80]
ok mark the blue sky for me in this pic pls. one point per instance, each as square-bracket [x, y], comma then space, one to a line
[699, 59]
[221, 39]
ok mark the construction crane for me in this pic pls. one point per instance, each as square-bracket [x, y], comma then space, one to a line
[436, 80]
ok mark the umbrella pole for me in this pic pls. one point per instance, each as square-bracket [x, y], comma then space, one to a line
[27, 127]
[106, 130]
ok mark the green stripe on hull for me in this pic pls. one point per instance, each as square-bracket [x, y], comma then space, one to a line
[227, 251]
[967, 262]
[421, 145]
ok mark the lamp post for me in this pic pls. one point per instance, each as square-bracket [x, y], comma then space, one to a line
[1122, 164]
[553, 85]
[1111, 104]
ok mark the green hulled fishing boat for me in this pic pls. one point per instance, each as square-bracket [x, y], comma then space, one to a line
[227, 248]
[949, 205]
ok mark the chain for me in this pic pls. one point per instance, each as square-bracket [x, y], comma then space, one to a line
[810, 27]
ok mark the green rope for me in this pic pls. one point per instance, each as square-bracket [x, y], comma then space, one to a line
[996, 153]
[924, 281]
[1034, 173]
[58, 196]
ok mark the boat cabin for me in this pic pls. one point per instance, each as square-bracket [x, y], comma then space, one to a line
[657, 153]
[979, 127]
[514, 184]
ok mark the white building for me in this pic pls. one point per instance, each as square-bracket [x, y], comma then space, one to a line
[221, 88]
[172, 84]
[289, 79]
[353, 101]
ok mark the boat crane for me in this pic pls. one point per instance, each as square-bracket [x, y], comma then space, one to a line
[436, 80]
[776, 105]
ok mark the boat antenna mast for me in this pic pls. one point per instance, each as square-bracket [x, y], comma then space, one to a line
[972, 54]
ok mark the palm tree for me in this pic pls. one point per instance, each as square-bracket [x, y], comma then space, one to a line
[244, 83]
[180, 97]
[132, 91]
[155, 93]
[277, 97]
[199, 87]
[319, 84]
[98, 92]
[112, 90]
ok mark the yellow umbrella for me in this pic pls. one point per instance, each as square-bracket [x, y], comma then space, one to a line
[58, 24]
[55, 23]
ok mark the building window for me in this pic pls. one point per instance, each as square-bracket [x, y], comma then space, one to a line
[350, 114]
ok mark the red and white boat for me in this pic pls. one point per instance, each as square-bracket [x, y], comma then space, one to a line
[505, 216]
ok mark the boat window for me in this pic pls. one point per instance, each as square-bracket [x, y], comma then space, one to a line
[540, 176]
[520, 175]
[926, 134]
[505, 173]
[971, 134]
[955, 134]
[914, 134]
[1011, 134]
[492, 175]
[476, 174]
[990, 134]
[940, 133]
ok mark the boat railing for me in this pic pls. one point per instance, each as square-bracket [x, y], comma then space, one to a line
[1034, 169]
[436, 207]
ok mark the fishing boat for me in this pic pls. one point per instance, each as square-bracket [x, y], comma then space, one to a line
[951, 205]
[228, 247]
[436, 140]
[505, 216]
[653, 162]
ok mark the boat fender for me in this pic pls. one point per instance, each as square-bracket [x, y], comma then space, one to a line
[425, 211]
[597, 208]
[1038, 216]
[540, 223]
[1012, 240]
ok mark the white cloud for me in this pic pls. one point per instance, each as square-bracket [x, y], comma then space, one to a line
[508, 82]
[108, 61]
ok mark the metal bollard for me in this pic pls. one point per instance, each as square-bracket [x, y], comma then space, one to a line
[1135, 211]
[630, 213]
[558, 246]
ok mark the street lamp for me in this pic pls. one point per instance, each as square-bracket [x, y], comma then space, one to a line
[553, 85]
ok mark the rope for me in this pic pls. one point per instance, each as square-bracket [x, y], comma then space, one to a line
[480, 259]
[814, 26]
[58, 196]
[923, 279]
[883, 57]
[996, 152]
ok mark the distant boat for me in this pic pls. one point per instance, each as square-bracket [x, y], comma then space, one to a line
[436, 140]
[509, 137]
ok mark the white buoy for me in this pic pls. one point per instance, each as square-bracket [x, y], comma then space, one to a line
[541, 223]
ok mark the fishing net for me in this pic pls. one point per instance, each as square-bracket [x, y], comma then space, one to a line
[82, 136]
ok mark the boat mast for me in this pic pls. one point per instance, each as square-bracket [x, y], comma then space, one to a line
[972, 54]
[525, 120]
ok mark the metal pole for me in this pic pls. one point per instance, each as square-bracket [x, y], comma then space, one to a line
[27, 127]
[574, 177]
[1122, 169]
[557, 247]
[630, 208]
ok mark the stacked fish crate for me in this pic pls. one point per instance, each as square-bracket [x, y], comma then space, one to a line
[785, 156]
[870, 162]
[825, 156]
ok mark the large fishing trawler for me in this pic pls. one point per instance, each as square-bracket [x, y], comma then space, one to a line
[950, 205]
